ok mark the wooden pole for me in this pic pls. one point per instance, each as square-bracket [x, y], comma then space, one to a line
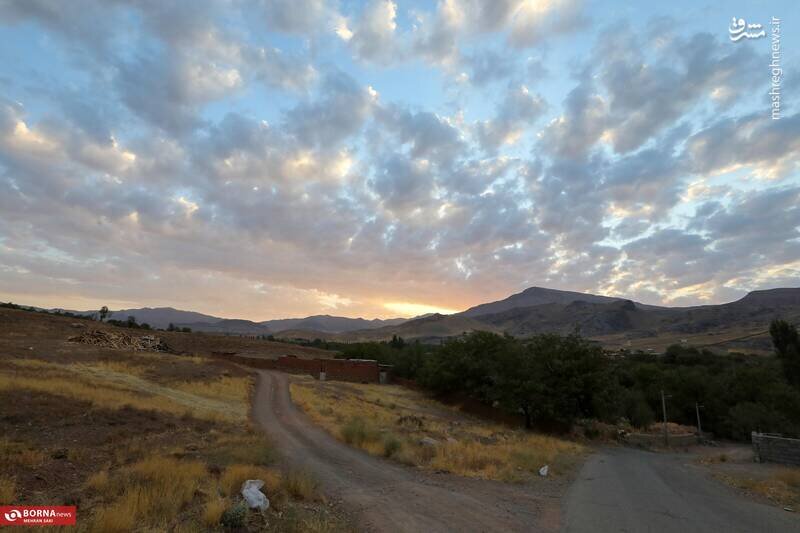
[664, 410]
[699, 427]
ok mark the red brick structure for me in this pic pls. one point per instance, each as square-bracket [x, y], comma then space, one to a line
[356, 370]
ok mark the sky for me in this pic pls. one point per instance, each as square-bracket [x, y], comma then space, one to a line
[271, 158]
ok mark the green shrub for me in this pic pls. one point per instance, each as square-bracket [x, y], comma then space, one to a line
[234, 517]
[357, 432]
[391, 445]
[300, 485]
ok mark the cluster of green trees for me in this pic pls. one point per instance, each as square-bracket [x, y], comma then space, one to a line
[554, 380]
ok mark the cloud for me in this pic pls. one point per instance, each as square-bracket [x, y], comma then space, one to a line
[340, 111]
[574, 133]
[770, 147]
[371, 36]
[518, 111]
[294, 16]
[645, 95]
[242, 163]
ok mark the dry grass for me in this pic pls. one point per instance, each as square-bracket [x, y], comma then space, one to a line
[251, 447]
[20, 454]
[150, 492]
[317, 524]
[212, 512]
[116, 385]
[8, 490]
[781, 487]
[231, 481]
[99, 481]
[390, 421]
[301, 485]
[234, 390]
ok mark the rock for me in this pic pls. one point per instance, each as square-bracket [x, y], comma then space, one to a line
[61, 453]
[428, 442]
[253, 495]
[451, 440]
[77, 325]
[543, 471]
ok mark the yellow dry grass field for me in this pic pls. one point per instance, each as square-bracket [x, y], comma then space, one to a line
[118, 384]
[138, 441]
[781, 486]
[392, 421]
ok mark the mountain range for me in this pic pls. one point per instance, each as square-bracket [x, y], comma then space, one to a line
[615, 322]
[161, 317]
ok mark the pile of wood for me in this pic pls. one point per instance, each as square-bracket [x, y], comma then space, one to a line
[121, 341]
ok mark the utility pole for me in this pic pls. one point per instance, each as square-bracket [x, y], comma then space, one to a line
[664, 410]
[699, 427]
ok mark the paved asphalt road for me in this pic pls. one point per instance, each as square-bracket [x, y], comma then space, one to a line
[631, 490]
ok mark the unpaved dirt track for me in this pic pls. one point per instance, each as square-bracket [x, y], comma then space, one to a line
[389, 497]
[623, 489]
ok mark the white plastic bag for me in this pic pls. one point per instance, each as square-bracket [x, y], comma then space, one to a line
[543, 471]
[253, 496]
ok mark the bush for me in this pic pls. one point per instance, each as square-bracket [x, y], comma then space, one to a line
[746, 417]
[357, 432]
[391, 445]
[300, 485]
[235, 475]
[234, 517]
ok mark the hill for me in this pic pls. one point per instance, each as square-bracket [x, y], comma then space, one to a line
[329, 324]
[432, 328]
[161, 317]
[535, 296]
[615, 322]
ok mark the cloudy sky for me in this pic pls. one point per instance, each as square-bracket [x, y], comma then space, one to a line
[274, 158]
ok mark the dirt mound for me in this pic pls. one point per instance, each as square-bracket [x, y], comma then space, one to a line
[672, 429]
[121, 341]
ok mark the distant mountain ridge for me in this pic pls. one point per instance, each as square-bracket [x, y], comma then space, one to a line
[161, 317]
[330, 324]
[535, 296]
[611, 320]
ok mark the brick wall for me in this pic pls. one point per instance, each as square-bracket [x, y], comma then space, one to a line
[359, 371]
[776, 449]
[295, 365]
[254, 362]
[648, 440]
[346, 370]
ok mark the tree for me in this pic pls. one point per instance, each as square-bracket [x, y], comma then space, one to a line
[397, 342]
[171, 327]
[787, 348]
[555, 380]
[104, 312]
[131, 322]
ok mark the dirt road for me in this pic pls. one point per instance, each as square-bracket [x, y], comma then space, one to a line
[623, 489]
[389, 497]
